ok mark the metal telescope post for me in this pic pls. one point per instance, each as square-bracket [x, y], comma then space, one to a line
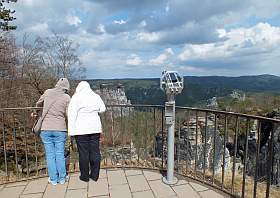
[172, 84]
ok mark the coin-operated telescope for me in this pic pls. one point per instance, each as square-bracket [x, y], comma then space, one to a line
[172, 84]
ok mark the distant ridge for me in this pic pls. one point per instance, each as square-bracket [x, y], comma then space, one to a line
[114, 79]
[257, 83]
[197, 88]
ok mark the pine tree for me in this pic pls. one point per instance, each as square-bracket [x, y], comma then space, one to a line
[6, 15]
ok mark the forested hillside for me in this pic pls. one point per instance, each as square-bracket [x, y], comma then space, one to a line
[197, 89]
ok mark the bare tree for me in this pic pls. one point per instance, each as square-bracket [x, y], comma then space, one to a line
[32, 62]
[7, 66]
[62, 57]
[44, 60]
[7, 54]
[28, 69]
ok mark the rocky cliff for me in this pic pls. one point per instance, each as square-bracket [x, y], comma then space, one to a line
[113, 94]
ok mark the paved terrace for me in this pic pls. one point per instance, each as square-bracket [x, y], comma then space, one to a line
[113, 183]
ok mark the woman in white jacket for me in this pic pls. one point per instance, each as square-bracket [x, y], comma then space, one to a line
[85, 125]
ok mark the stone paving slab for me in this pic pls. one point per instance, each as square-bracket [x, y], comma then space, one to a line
[100, 197]
[116, 177]
[113, 183]
[185, 191]
[36, 195]
[160, 189]
[79, 193]
[12, 192]
[152, 175]
[23, 183]
[36, 186]
[102, 173]
[133, 172]
[99, 188]
[144, 194]
[210, 194]
[138, 183]
[180, 182]
[198, 187]
[120, 191]
[57, 191]
[76, 183]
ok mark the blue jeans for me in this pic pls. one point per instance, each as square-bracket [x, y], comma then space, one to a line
[54, 142]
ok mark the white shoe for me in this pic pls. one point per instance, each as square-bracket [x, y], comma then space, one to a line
[64, 180]
[51, 182]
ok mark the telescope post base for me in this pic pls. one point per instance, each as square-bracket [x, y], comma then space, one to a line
[172, 182]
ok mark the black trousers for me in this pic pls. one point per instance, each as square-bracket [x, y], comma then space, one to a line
[89, 156]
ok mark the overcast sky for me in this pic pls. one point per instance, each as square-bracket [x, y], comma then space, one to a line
[133, 38]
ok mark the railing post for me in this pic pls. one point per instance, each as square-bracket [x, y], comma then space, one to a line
[257, 160]
[236, 132]
[214, 150]
[155, 133]
[178, 146]
[196, 142]
[162, 138]
[224, 147]
[186, 138]
[270, 162]
[25, 142]
[245, 158]
[14, 131]
[4, 145]
[205, 145]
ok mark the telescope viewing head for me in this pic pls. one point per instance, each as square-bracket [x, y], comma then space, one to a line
[171, 82]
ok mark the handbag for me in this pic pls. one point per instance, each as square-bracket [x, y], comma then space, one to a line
[36, 128]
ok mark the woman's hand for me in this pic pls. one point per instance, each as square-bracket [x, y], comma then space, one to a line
[34, 115]
[102, 138]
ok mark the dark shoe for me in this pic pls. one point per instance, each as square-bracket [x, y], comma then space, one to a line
[84, 179]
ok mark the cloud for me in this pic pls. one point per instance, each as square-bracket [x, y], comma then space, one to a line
[167, 8]
[189, 32]
[162, 58]
[228, 37]
[180, 21]
[143, 24]
[148, 37]
[61, 16]
[128, 5]
[133, 60]
[120, 22]
[28, 2]
[40, 28]
[260, 39]
[73, 20]
[247, 51]
[100, 29]
[189, 69]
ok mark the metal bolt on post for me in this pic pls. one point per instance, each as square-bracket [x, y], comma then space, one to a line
[172, 84]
